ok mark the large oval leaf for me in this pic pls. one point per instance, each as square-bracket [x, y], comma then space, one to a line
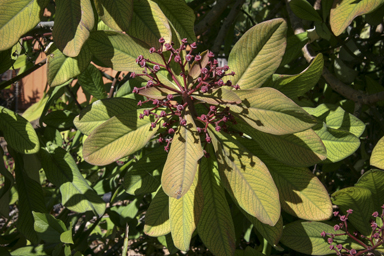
[374, 181]
[17, 18]
[116, 14]
[18, 132]
[377, 157]
[246, 178]
[120, 136]
[182, 161]
[301, 193]
[215, 227]
[344, 11]
[258, 53]
[157, 217]
[304, 10]
[270, 111]
[91, 81]
[149, 23]
[74, 20]
[62, 68]
[219, 96]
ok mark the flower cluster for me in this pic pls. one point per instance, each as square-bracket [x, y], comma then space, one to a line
[200, 75]
[375, 239]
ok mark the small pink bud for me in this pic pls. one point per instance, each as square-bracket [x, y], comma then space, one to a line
[171, 131]
[180, 107]
[142, 63]
[203, 117]
[204, 71]
[376, 235]
[149, 83]
[323, 234]
[237, 87]
[350, 211]
[374, 225]
[375, 214]
[212, 108]
[139, 103]
[152, 50]
[177, 58]
[343, 218]
[218, 128]
[199, 79]
[166, 148]
[141, 116]
[164, 124]
[215, 62]
[339, 246]
[146, 112]
[168, 47]
[330, 240]
[184, 40]
[355, 233]
[161, 40]
[163, 114]
[139, 58]
[197, 57]
[208, 139]
[155, 102]
[153, 125]
[199, 130]
[183, 122]
[188, 57]
[352, 252]
[219, 72]
[211, 55]
[156, 68]
[135, 90]
[132, 75]
[226, 67]
[204, 89]
[225, 119]
[335, 213]
[169, 96]
[220, 82]
[382, 207]
[331, 247]
[336, 227]
[193, 45]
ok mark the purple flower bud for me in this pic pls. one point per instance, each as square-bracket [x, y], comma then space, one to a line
[171, 131]
[188, 57]
[212, 108]
[219, 72]
[166, 148]
[199, 79]
[146, 112]
[155, 102]
[375, 214]
[152, 50]
[132, 75]
[204, 89]
[177, 58]
[139, 103]
[184, 40]
[193, 45]
[343, 218]
[163, 114]
[237, 87]
[139, 58]
[160, 139]
[229, 83]
[141, 116]
[220, 82]
[164, 124]
[331, 247]
[226, 67]
[374, 225]
[208, 139]
[180, 107]
[204, 71]
[339, 246]
[211, 54]
[153, 125]
[156, 68]
[161, 40]
[350, 211]
[183, 122]
[335, 213]
[376, 235]
[323, 234]
[218, 128]
[135, 90]
[336, 227]
[203, 117]
[382, 207]
[149, 83]
[197, 57]
[142, 63]
[169, 96]
[215, 62]
[352, 252]
[168, 47]
[330, 240]
[199, 130]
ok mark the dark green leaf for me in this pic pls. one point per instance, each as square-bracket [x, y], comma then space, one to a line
[92, 82]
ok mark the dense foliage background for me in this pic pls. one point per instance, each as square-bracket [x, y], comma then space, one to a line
[300, 139]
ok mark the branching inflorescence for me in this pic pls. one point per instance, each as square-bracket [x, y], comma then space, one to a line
[375, 239]
[169, 110]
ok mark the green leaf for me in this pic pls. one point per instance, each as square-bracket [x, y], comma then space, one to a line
[144, 177]
[61, 169]
[304, 10]
[150, 23]
[294, 86]
[18, 132]
[156, 92]
[339, 144]
[249, 251]
[7, 61]
[271, 233]
[246, 178]
[294, 45]
[344, 11]
[116, 14]
[60, 119]
[377, 157]
[66, 237]
[301, 193]
[359, 199]
[120, 136]
[62, 68]
[48, 227]
[17, 18]
[374, 181]
[119, 51]
[102, 110]
[286, 148]
[92, 82]
[74, 20]
[54, 93]
[305, 237]
[182, 161]
[30, 251]
[258, 53]
[34, 112]
[343, 72]
[184, 214]
[180, 16]
[219, 96]
[270, 111]
[215, 227]
[157, 216]
[31, 198]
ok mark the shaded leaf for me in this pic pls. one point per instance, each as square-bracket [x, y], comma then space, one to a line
[157, 216]
[294, 45]
[92, 82]
[219, 96]
[270, 111]
[374, 181]
[116, 14]
[74, 20]
[60, 119]
[377, 157]
[30, 251]
[304, 10]
[5, 56]
[258, 53]
[18, 132]
[249, 251]
[48, 227]
[182, 161]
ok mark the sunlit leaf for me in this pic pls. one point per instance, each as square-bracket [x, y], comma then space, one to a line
[17, 18]
[270, 111]
[258, 53]
[374, 181]
[157, 216]
[30, 251]
[219, 96]
[74, 20]
[116, 14]
[48, 227]
[182, 161]
[34, 112]
[377, 157]
[156, 92]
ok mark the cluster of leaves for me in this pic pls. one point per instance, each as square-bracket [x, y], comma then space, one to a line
[184, 153]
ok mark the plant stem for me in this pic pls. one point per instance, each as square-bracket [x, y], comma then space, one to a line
[113, 84]
[126, 240]
[73, 97]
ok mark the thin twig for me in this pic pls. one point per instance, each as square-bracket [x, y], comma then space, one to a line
[113, 84]
[126, 241]
[24, 74]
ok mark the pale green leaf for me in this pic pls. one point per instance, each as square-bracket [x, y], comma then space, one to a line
[34, 112]
[182, 161]
[17, 18]
[61, 169]
[150, 23]
[270, 111]
[374, 181]
[215, 227]
[246, 178]
[305, 237]
[156, 92]
[157, 216]
[74, 20]
[344, 11]
[18, 132]
[92, 82]
[116, 14]
[219, 96]
[304, 10]
[48, 227]
[360, 200]
[342, 120]
[258, 53]
[62, 68]
[66, 237]
[377, 157]
[30, 251]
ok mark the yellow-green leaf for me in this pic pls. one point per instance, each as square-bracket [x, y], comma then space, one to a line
[34, 112]
[215, 227]
[74, 20]
[247, 178]
[156, 92]
[17, 18]
[258, 53]
[18, 132]
[270, 111]
[157, 217]
[116, 14]
[344, 11]
[374, 181]
[377, 157]
[219, 96]
[149, 23]
[182, 162]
